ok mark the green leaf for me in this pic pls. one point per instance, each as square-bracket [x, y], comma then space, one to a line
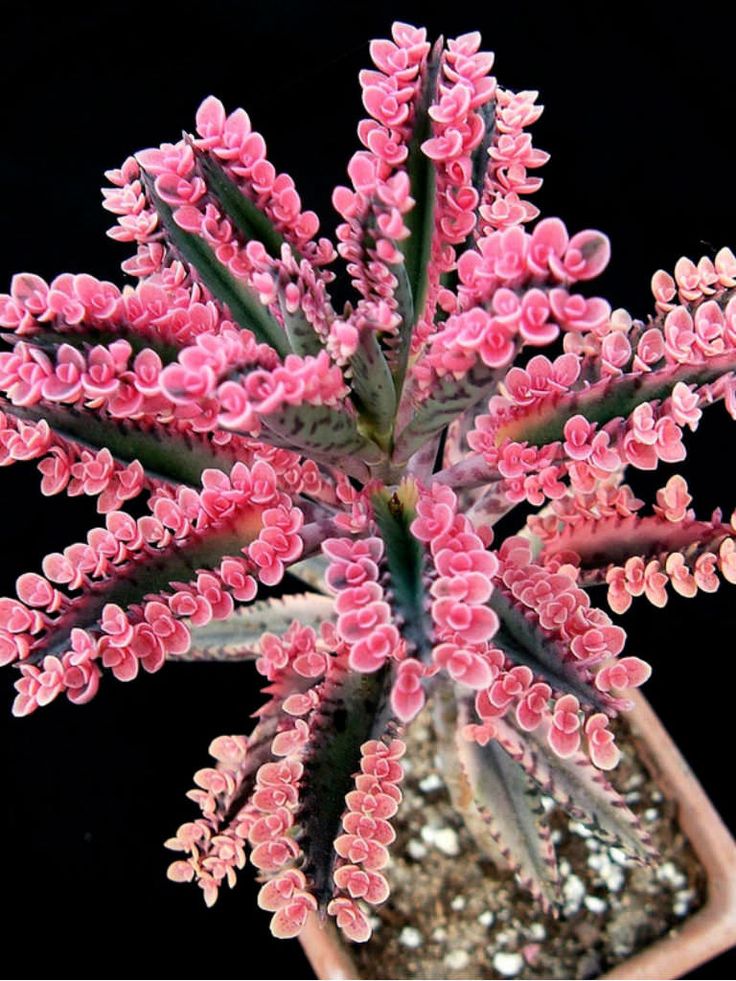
[611, 398]
[312, 572]
[399, 347]
[372, 387]
[162, 452]
[302, 335]
[91, 336]
[417, 248]
[328, 435]
[244, 306]
[405, 557]
[499, 801]
[449, 398]
[238, 638]
[579, 787]
[250, 221]
[354, 711]
[526, 643]
[147, 575]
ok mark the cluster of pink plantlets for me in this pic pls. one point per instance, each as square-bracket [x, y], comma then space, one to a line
[365, 456]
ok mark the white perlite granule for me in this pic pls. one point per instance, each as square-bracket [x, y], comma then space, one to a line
[456, 960]
[447, 841]
[416, 849]
[508, 965]
[410, 937]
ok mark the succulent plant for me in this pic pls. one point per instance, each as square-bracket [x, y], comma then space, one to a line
[352, 464]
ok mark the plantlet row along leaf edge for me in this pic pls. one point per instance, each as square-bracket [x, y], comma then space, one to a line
[369, 453]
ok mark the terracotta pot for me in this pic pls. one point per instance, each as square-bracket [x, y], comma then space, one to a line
[702, 936]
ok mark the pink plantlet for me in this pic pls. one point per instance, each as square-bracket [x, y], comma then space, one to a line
[267, 438]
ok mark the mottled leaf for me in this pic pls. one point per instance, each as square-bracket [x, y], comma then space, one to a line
[245, 308]
[405, 557]
[579, 787]
[238, 637]
[164, 453]
[526, 643]
[499, 801]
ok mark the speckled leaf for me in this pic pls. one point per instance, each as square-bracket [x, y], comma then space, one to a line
[249, 220]
[405, 558]
[244, 306]
[85, 336]
[354, 709]
[449, 398]
[525, 643]
[326, 434]
[148, 574]
[422, 178]
[579, 787]
[238, 637]
[498, 800]
[164, 453]
[373, 387]
[610, 398]
[303, 338]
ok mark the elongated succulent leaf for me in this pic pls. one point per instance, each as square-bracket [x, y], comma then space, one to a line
[354, 709]
[329, 435]
[373, 386]
[148, 575]
[84, 336]
[312, 572]
[400, 346]
[420, 220]
[526, 644]
[250, 221]
[580, 788]
[449, 398]
[499, 801]
[164, 454]
[238, 637]
[244, 307]
[394, 514]
[610, 398]
[303, 338]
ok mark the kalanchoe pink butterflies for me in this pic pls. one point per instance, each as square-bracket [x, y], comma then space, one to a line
[369, 452]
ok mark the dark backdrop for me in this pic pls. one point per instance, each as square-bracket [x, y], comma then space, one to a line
[639, 126]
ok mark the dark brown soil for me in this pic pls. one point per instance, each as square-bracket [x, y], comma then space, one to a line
[453, 914]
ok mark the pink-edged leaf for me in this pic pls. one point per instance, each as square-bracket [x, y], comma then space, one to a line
[499, 800]
[164, 453]
[579, 787]
[238, 637]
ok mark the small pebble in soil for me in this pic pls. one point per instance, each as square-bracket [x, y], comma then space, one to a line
[416, 849]
[671, 875]
[486, 918]
[595, 904]
[619, 856]
[683, 901]
[410, 937]
[456, 960]
[447, 841]
[430, 783]
[507, 964]
[574, 892]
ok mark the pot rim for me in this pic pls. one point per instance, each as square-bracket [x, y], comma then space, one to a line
[702, 936]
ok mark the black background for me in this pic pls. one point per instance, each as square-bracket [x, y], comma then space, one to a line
[638, 121]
